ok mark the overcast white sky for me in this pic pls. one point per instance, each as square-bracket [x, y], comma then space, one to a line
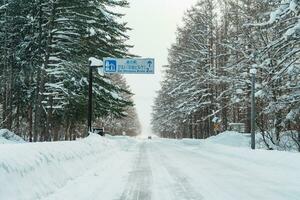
[154, 24]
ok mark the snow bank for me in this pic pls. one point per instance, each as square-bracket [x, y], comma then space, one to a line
[231, 138]
[34, 170]
[227, 138]
[242, 140]
[286, 142]
[7, 137]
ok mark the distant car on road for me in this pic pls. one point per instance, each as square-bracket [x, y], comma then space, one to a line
[149, 137]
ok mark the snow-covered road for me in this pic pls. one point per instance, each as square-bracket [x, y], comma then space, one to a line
[142, 170]
[161, 169]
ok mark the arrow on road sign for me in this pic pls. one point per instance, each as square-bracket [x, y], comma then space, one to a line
[149, 63]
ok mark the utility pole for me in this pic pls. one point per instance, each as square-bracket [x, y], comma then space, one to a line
[253, 109]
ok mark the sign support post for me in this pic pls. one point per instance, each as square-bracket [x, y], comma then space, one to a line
[93, 64]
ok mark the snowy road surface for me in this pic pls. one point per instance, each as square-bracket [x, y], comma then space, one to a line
[132, 169]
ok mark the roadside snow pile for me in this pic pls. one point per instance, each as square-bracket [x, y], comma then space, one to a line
[231, 138]
[227, 138]
[243, 140]
[42, 168]
[287, 142]
[7, 137]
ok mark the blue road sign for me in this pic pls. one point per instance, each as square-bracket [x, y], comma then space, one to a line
[110, 66]
[129, 66]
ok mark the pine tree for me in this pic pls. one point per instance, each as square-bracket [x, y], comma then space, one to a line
[207, 78]
[278, 64]
[43, 64]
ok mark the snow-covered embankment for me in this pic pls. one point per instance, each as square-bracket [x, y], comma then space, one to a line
[34, 170]
[8, 137]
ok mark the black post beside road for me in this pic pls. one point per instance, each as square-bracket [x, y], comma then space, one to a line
[91, 67]
[90, 102]
[253, 113]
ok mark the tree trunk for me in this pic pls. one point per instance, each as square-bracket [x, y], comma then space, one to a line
[40, 81]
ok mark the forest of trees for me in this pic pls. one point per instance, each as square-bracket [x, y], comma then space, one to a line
[207, 80]
[128, 125]
[44, 50]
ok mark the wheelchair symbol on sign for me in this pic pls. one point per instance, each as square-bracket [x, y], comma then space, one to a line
[110, 66]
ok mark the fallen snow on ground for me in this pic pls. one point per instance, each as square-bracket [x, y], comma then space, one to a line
[123, 168]
[33, 171]
[228, 138]
[7, 137]
[231, 138]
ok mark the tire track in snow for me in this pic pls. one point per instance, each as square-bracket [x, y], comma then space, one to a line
[140, 178]
[181, 186]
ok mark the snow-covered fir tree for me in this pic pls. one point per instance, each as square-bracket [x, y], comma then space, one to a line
[207, 83]
[44, 64]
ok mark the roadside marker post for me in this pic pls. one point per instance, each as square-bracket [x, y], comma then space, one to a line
[253, 72]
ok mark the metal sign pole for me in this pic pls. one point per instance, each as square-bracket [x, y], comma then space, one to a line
[92, 64]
